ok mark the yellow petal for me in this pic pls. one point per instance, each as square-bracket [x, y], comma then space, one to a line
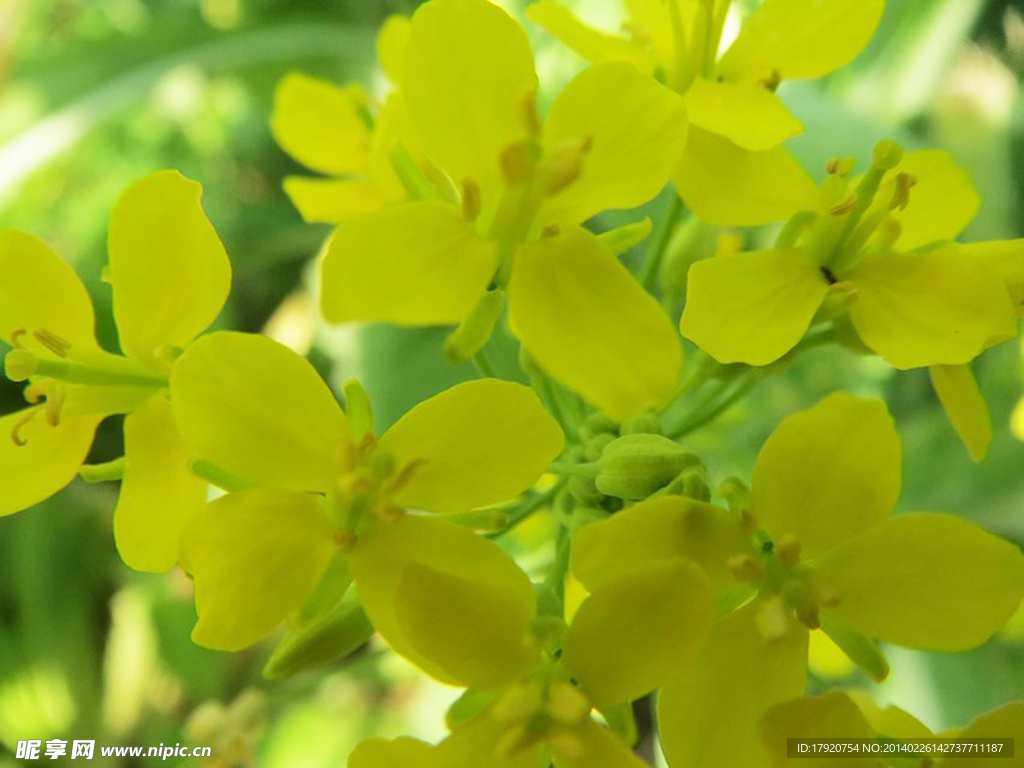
[480, 442]
[332, 201]
[478, 743]
[1006, 259]
[656, 530]
[448, 600]
[890, 721]
[636, 631]
[255, 556]
[158, 494]
[586, 321]
[320, 125]
[801, 38]
[828, 473]
[650, 20]
[404, 752]
[942, 202]
[258, 411]
[930, 309]
[168, 270]
[709, 717]
[590, 745]
[415, 264]
[729, 186]
[633, 148]
[829, 716]
[964, 405]
[48, 461]
[592, 44]
[391, 41]
[467, 82]
[748, 114]
[826, 659]
[40, 291]
[752, 307]
[929, 581]
[1002, 723]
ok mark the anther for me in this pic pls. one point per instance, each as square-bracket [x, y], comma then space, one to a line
[345, 539]
[551, 230]
[901, 197]
[20, 424]
[517, 163]
[34, 393]
[745, 568]
[16, 336]
[533, 122]
[470, 200]
[52, 342]
[405, 474]
[788, 551]
[388, 512]
[840, 166]
[773, 80]
[844, 207]
[829, 275]
[54, 404]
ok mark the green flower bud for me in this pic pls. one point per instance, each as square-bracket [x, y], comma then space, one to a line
[333, 637]
[645, 423]
[635, 466]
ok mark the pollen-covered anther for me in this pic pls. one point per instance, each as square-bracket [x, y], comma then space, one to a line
[788, 551]
[55, 396]
[16, 336]
[52, 342]
[20, 424]
[404, 475]
[517, 163]
[566, 704]
[565, 164]
[388, 512]
[345, 539]
[551, 230]
[745, 568]
[471, 203]
[901, 196]
[773, 81]
[531, 117]
[844, 207]
[20, 364]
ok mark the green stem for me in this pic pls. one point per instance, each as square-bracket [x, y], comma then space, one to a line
[554, 583]
[574, 470]
[740, 390]
[527, 508]
[483, 365]
[656, 252]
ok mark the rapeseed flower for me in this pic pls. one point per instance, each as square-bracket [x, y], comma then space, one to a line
[317, 492]
[505, 218]
[170, 277]
[822, 551]
[734, 170]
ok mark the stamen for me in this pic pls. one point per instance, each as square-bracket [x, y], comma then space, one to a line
[55, 397]
[773, 81]
[345, 539]
[52, 342]
[901, 197]
[388, 512]
[565, 164]
[16, 336]
[844, 207]
[20, 424]
[517, 163]
[470, 200]
[551, 230]
[531, 116]
[788, 551]
[745, 569]
[405, 475]
[34, 393]
[840, 166]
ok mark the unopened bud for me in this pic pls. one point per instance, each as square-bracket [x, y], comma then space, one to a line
[635, 466]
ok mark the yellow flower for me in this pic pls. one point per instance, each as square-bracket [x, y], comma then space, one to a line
[170, 277]
[738, 122]
[503, 213]
[875, 254]
[839, 715]
[628, 637]
[345, 135]
[321, 492]
[826, 553]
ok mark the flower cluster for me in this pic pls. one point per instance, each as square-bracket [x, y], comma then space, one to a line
[458, 203]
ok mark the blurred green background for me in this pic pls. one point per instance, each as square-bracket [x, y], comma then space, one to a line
[95, 93]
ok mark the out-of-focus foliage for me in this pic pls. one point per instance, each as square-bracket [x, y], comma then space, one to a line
[95, 93]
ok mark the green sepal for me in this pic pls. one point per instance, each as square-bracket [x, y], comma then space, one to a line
[635, 466]
[330, 638]
[468, 706]
[621, 239]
